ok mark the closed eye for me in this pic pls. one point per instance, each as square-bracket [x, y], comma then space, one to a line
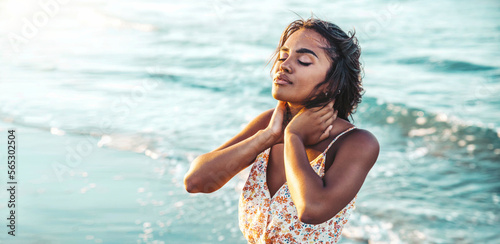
[305, 64]
[300, 62]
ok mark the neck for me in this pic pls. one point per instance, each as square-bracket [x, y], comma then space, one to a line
[294, 108]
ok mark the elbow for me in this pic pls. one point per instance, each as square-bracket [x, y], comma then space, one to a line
[197, 181]
[192, 181]
[315, 215]
[310, 215]
[190, 184]
[308, 218]
[193, 184]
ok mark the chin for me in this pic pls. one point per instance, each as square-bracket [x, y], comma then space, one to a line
[286, 95]
[282, 97]
[277, 95]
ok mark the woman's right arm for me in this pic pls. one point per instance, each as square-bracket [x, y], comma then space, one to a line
[210, 171]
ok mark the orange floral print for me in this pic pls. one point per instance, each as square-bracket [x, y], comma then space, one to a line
[264, 219]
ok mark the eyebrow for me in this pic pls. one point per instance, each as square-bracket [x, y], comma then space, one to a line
[302, 50]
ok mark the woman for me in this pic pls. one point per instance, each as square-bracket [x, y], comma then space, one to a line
[302, 186]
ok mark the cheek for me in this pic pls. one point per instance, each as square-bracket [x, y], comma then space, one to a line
[311, 80]
[319, 75]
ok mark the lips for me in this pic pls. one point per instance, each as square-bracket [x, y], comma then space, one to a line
[282, 79]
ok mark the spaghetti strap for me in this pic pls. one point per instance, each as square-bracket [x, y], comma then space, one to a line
[331, 143]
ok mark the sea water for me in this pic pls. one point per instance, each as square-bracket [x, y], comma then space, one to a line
[112, 100]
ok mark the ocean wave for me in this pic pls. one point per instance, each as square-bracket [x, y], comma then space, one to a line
[445, 65]
[443, 134]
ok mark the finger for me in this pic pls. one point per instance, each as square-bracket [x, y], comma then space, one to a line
[329, 106]
[315, 109]
[329, 112]
[281, 106]
[318, 113]
[326, 133]
[278, 113]
[329, 121]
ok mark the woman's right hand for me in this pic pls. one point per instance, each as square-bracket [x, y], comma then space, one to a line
[275, 128]
[210, 171]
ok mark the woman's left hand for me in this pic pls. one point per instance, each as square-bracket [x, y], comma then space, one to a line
[312, 125]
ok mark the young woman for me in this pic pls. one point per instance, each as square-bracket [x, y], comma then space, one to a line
[302, 186]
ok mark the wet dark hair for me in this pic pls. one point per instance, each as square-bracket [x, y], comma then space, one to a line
[345, 73]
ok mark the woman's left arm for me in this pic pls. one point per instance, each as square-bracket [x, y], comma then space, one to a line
[319, 199]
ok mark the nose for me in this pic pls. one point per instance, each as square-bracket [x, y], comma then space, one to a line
[285, 66]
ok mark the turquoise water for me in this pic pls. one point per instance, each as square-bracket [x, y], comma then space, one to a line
[113, 99]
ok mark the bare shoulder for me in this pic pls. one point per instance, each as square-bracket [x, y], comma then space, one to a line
[360, 144]
[362, 137]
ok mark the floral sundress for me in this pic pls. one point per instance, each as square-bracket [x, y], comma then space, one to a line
[264, 219]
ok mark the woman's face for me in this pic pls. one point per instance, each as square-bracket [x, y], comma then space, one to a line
[301, 65]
